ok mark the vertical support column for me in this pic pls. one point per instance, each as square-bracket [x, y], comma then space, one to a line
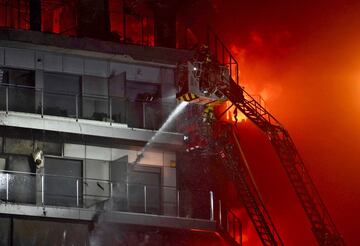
[42, 190]
[144, 114]
[127, 196]
[111, 189]
[42, 102]
[7, 187]
[110, 110]
[211, 206]
[77, 106]
[7, 99]
[178, 202]
[111, 196]
[77, 192]
[145, 198]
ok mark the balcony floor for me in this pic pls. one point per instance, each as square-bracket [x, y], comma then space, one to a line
[87, 127]
[108, 216]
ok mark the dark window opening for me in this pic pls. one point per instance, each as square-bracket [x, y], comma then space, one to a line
[142, 102]
[63, 182]
[61, 94]
[20, 84]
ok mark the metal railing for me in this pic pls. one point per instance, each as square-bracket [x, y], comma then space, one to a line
[148, 115]
[222, 54]
[229, 223]
[104, 195]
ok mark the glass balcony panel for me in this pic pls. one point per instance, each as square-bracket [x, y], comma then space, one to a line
[95, 108]
[118, 108]
[170, 202]
[136, 198]
[156, 114]
[135, 114]
[63, 191]
[60, 104]
[23, 99]
[101, 195]
[2, 98]
[194, 204]
[96, 194]
[153, 199]
[120, 197]
[153, 115]
[22, 188]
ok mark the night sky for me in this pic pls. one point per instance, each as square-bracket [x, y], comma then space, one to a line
[303, 57]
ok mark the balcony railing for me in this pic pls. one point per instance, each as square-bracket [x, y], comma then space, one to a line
[147, 115]
[104, 195]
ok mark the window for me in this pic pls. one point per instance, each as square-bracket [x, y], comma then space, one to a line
[60, 94]
[49, 148]
[21, 91]
[18, 146]
[95, 103]
[62, 188]
[140, 95]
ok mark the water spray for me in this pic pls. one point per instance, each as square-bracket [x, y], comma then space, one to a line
[179, 108]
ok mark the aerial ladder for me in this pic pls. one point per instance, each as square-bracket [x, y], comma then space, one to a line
[212, 76]
[228, 148]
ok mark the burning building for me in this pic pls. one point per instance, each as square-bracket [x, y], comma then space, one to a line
[96, 147]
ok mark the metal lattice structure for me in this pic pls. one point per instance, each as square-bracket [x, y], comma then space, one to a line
[209, 68]
[322, 225]
[237, 169]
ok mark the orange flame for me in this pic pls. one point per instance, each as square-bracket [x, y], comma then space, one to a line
[233, 114]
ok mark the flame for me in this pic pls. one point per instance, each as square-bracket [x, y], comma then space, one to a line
[233, 114]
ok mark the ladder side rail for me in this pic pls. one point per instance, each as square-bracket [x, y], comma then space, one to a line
[255, 212]
[255, 188]
[305, 188]
[251, 198]
[307, 179]
[325, 217]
